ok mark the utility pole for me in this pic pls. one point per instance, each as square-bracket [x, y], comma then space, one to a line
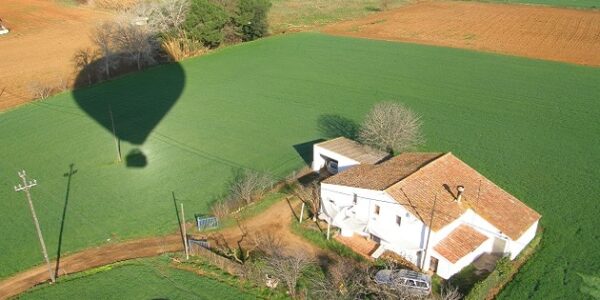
[187, 253]
[429, 233]
[27, 185]
[117, 143]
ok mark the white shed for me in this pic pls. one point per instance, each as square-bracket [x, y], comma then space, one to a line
[340, 153]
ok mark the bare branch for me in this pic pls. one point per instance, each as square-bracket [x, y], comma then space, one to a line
[391, 127]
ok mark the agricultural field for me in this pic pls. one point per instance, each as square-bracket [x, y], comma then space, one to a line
[138, 279]
[557, 34]
[530, 126]
[580, 4]
[300, 15]
[40, 46]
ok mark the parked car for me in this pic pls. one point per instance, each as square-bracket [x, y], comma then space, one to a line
[414, 282]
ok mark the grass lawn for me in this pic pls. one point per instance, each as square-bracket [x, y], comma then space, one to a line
[139, 279]
[530, 126]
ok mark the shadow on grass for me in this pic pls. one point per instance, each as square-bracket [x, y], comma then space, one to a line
[333, 126]
[69, 175]
[305, 150]
[130, 107]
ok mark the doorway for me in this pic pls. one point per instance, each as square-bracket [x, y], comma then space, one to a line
[433, 264]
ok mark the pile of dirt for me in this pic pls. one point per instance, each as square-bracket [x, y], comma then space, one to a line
[557, 34]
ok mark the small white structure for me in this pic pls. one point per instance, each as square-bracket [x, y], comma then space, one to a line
[338, 154]
[430, 208]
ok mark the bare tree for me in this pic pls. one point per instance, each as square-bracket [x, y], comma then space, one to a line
[310, 195]
[248, 185]
[136, 43]
[41, 90]
[83, 60]
[103, 38]
[391, 127]
[288, 268]
[448, 292]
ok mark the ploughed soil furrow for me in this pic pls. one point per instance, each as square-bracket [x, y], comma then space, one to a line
[557, 34]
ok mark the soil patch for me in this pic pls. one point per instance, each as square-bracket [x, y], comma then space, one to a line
[43, 38]
[557, 34]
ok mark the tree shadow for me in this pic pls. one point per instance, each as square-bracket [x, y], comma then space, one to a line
[69, 175]
[131, 106]
[332, 126]
[305, 150]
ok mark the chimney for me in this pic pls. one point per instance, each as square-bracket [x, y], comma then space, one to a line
[461, 190]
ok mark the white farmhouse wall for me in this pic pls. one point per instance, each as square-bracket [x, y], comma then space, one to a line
[318, 161]
[446, 268]
[407, 240]
[517, 246]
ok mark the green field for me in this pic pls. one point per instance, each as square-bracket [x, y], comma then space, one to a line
[530, 126]
[139, 279]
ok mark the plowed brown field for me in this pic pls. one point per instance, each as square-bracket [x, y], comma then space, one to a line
[557, 34]
[44, 36]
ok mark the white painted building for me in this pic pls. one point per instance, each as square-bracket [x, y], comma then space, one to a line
[392, 203]
[339, 154]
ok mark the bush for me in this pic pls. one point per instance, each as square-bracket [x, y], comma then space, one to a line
[205, 22]
[252, 20]
[213, 22]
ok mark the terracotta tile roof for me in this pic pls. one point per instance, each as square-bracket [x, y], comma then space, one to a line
[354, 150]
[441, 179]
[416, 179]
[460, 242]
[383, 175]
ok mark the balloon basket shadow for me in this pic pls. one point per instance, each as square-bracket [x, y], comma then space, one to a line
[136, 159]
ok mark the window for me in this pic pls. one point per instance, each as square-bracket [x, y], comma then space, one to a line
[398, 220]
[377, 210]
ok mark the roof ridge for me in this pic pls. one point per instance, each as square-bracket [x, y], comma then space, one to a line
[419, 169]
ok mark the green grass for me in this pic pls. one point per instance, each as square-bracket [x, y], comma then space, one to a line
[530, 126]
[139, 279]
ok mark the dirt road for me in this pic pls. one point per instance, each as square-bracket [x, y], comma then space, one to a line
[557, 34]
[275, 220]
[43, 38]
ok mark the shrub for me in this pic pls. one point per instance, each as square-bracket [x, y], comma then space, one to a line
[205, 22]
[252, 20]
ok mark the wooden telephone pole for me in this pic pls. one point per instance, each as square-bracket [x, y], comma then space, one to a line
[26, 186]
[185, 240]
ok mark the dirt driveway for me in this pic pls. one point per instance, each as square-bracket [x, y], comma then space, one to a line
[557, 34]
[275, 220]
[44, 36]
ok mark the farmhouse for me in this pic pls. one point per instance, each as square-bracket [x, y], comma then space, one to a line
[430, 208]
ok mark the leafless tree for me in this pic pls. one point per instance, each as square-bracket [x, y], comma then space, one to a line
[288, 268]
[450, 293]
[245, 245]
[391, 127]
[220, 209]
[83, 60]
[136, 43]
[103, 37]
[249, 185]
[41, 90]
[310, 195]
